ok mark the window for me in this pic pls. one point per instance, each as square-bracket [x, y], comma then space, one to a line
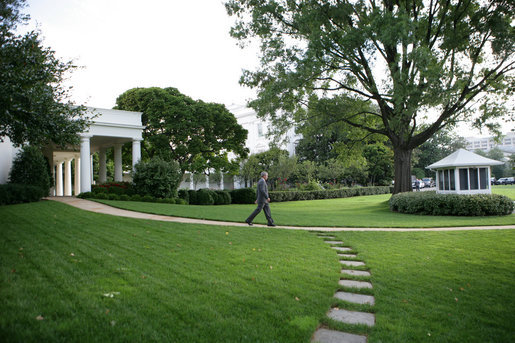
[452, 179]
[260, 130]
[446, 179]
[464, 180]
[483, 178]
[474, 182]
[440, 180]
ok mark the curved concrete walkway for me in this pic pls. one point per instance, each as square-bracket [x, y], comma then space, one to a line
[102, 208]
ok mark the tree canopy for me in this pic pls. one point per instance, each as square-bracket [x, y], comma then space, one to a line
[34, 105]
[425, 62]
[196, 134]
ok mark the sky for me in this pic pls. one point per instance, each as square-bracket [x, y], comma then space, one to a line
[122, 44]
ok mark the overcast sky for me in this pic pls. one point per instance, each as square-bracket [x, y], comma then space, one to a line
[123, 44]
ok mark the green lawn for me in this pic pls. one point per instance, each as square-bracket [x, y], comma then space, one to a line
[364, 211]
[94, 277]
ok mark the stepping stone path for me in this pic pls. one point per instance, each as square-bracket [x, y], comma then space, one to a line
[324, 335]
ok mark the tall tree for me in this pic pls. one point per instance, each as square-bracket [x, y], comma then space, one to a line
[196, 134]
[433, 61]
[34, 105]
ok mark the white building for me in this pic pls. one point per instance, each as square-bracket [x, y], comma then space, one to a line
[507, 145]
[109, 129]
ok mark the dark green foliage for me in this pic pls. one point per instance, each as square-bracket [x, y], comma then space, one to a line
[205, 197]
[432, 203]
[125, 197]
[196, 134]
[86, 195]
[243, 196]
[136, 197]
[113, 188]
[327, 194]
[222, 198]
[184, 194]
[31, 168]
[113, 196]
[192, 196]
[180, 201]
[99, 195]
[148, 198]
[157, 177]
[33, 101]
[13, 193]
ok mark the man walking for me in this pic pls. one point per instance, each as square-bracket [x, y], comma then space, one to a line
[262, 201]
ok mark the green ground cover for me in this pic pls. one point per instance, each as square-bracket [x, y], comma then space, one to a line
[101, 278]
[439, 286]
[363, 211]
[93, 277]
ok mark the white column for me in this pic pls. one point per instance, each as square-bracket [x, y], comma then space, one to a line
[207, 181]
[76, 188]
[192, 185]
[91, 168]
[136, 152]
[59, 180]
[68, 177]
[85, 166]
[102, 170]
[222, 181]
[118, 163]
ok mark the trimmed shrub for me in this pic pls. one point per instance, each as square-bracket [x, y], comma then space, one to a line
[113, 188]
[136, 197]
[85, 195]
[113, 196]
[30, 167]
[180, 201]
[205, 197]
[125, 197]
[13, 193]
[243, 196]
[431, 203]
[100, 196]
[183, 194]
[170, 200]
[148, 198]
[192, 196]
[157, 178]
[327, 194]
[222, 198]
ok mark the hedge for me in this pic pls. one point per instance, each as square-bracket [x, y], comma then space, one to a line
[431, 203]
[276, 196]
[243, 196]
[135, 197]
[13, 193]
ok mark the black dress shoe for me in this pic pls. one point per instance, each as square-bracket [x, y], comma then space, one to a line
[250, 223]
[271, 224]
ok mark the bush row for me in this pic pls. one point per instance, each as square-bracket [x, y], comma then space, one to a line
[135, 197]
[451, 204]
[209, 197]
[13, 193]
[119, 188]
[327, 194]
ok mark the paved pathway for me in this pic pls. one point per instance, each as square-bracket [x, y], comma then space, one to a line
[102, 208]
[349, 293]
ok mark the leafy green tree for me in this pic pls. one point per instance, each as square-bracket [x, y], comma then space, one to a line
[33, 101]
[30, 167]
[433, 61]
[379, 164]
[440, 145]
[196, 134]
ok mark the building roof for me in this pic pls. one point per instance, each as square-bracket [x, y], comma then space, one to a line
[463, 158]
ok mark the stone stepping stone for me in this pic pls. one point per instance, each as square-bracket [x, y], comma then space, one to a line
[356, 298]
[355, 284]
[333, 242]
[355, 272]
[342, 249]
[352, 263]
[332, 336]
[352, 317]
[348, 255]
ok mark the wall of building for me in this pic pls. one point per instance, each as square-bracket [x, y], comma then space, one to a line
[7, 155]
[507, 144]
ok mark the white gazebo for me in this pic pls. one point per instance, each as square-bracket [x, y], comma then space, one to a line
[463, 172]
[109, 129]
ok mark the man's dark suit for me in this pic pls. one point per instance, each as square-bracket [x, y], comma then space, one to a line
[262, 203]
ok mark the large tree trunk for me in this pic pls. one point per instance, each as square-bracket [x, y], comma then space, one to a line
[402, 160]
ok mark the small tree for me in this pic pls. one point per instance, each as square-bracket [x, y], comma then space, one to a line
[157, 177]
[30, 167]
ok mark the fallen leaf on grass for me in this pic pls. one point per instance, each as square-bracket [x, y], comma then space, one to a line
[456, 299]
[40, 317]
[296, 298]
[72, 254]
[111, 294]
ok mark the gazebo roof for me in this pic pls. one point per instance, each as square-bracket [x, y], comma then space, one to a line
[463, 158]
